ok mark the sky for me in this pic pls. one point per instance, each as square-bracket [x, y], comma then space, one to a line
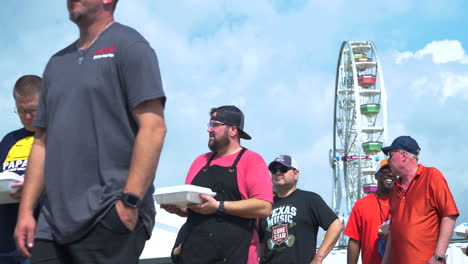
[276, 60]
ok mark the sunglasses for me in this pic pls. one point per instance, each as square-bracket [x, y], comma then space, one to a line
[214, 124]
[281, 169]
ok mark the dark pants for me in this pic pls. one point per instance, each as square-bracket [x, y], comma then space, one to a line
[108, 242]
[225, 240]
[13, 260]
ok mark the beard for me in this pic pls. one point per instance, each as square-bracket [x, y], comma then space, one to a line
[87, 13]
[216, 144]
[384, 187]
[75, 17]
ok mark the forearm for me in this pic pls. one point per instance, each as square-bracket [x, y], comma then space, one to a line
[331, 236]
[445, 233]
[249, 208]
[147, 148]
[145, 159]
[354, 247]
[34, 182]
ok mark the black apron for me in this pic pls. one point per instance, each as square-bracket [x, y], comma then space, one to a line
[216, 238]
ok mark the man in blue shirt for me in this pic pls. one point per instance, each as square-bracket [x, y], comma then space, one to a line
[14, 153]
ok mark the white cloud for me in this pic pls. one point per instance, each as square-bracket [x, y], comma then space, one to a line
[438, 70]
[443, 51]
[454, 85]
[404, 56]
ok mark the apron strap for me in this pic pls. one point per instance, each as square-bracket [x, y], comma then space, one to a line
[234, 165]
[209, 161]
[239, 156]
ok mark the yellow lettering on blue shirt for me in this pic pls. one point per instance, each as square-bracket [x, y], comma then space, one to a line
[17, 158]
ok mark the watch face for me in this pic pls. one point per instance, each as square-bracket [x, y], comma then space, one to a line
[132, 199]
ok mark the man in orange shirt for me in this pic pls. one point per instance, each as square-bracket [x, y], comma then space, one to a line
[368, 214]
[422, 208]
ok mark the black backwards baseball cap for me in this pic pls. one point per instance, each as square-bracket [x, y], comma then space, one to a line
[285, 160]
[406, 143]
[231, 116]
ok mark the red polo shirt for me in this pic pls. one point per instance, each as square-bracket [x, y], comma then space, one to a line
[363, 225]
[416, 215]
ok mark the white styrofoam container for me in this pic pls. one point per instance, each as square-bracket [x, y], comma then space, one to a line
[6, 180]
[461, 230]
[181, 195]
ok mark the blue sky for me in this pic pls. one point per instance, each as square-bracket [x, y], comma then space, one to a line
[276, 60]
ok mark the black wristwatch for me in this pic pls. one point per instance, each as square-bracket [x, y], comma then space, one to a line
[220, 210]
[131, 200]
[439, 258]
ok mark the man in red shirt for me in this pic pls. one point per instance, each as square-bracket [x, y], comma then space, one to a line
[368, 214]
[422, 207]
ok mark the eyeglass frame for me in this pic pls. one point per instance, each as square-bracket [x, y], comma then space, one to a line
[390, 153]
[214, 125]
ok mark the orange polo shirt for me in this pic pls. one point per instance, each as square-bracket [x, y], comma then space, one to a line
[416, 215]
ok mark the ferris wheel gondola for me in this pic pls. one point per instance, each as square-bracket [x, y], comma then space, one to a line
[359, 123]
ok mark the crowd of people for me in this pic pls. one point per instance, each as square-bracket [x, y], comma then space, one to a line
[92, 135]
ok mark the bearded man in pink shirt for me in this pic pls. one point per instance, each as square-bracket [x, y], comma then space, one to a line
[221, 229]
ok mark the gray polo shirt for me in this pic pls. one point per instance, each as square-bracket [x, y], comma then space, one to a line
[86, 110]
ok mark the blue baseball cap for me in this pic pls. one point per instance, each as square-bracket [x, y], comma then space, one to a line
[284, 160]
[406, 143]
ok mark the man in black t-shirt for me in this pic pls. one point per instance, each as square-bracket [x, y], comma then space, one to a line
[289, 234]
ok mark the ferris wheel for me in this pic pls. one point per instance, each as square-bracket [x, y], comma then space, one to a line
[359, 123]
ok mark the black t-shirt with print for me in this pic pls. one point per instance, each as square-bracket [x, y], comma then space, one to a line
[290, 232]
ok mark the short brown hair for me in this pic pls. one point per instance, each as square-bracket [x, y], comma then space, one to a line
[27, 85]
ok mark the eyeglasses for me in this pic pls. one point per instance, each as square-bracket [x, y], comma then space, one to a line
[390, 153]
[214, 124]
[281, 169]
[24, 111]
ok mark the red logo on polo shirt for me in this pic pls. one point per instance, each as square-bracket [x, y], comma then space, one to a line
[104, 53]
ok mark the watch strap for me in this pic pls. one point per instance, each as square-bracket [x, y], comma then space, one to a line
[439, 258]
[220, 210]
[131, 200]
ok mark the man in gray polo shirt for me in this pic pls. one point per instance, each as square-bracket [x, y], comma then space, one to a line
[100, 130]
